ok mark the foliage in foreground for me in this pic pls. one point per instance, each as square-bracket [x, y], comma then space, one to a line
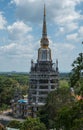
[55, 101]
[62, 114]
[70, 118]
[76, 79]
[33, 124]
[14, 124]
[28, 124]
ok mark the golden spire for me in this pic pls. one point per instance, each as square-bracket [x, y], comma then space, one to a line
[44, 31]
[44, 10]
[44, 39]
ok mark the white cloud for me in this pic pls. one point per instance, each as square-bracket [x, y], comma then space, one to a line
[66, 16]
[63, 52]
[18, 30]
[72, 36]
[67, 28]
[3, 21]
[24, 53]
[7, 47]
[62, 48]
[76, 37]
[61, 29]
[61, 12]
[16, 50]
[81, 31]
[16, 57]
[16, 1]
[71, 26]
[57, 9]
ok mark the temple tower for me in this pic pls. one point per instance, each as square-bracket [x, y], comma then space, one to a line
[44, 74]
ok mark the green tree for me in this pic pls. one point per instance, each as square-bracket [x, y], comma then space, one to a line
[32, 124]
[7, 89]
[55, 101]
[8, 85]
[71, 118]
[64, 83]
[14, 124]
[76, 79]
[78, 124]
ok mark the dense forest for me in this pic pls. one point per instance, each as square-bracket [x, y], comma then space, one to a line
[9, 82]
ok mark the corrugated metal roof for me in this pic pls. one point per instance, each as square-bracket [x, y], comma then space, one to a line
[22, 101]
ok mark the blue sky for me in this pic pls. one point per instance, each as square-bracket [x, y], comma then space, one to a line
[21, 30]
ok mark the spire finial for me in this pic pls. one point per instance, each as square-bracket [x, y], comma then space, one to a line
[44, 33]
[44, 10]
[44, 39]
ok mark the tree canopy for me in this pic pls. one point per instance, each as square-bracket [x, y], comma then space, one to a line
[76, 79]
[8, 84]
[71, 118]
[55, 101]
[28, 124]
